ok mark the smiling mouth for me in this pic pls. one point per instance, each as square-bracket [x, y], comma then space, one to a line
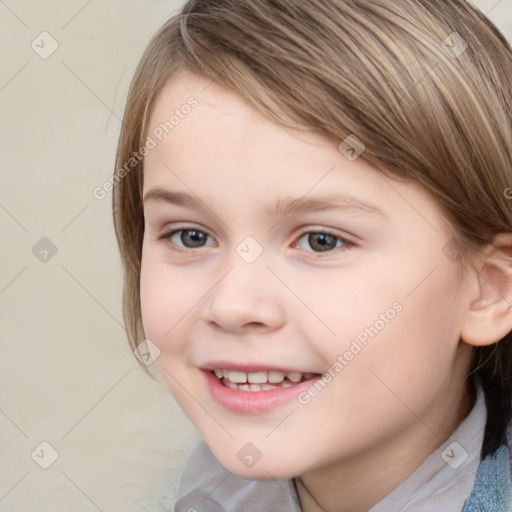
[260, 381]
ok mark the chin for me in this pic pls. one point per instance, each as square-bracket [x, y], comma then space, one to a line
[266, 468]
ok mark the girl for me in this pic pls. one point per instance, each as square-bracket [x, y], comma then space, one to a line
[312, 205]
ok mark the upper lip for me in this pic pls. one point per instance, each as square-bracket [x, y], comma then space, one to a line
[250, 367]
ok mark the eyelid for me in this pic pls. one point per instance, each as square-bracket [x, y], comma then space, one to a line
[183, 226]
[327, 231]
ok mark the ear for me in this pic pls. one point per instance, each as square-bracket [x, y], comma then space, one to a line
[489, 315]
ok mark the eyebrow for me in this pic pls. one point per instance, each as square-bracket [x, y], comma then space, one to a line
[283, 207]
[332, 201]
[158, 194]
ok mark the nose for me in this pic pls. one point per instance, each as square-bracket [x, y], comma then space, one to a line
[245, 299]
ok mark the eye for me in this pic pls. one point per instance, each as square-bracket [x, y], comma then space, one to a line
[320, 242]
[190, 238]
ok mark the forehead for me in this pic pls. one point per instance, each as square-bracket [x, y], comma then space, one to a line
[223, 150]
[224, 136]
[220, 120]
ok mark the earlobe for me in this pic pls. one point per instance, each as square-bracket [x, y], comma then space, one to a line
[489, 315]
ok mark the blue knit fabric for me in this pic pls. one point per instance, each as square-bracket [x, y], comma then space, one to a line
[492, 491]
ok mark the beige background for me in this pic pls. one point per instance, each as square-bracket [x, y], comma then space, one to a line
[67, 375]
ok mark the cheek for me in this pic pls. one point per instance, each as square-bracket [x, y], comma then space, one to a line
[166, 295]
[412, 359]
[167, 305]
[171, 301]
[347, 302]
[154, 299]
[391, 333]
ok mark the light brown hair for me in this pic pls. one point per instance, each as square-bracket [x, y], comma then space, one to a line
[428, 108]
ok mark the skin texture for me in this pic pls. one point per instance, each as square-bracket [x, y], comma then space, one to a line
[399, 397]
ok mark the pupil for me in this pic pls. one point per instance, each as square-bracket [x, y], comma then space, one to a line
[193, 238]
[322, 242]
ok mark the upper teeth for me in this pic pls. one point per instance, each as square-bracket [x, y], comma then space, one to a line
[273, 377]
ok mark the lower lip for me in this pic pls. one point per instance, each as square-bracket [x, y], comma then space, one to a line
[253, 402]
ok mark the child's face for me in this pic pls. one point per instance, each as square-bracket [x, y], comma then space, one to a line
[249, 284]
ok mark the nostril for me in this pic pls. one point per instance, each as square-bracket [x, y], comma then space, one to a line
[244, 327]
[253, 325]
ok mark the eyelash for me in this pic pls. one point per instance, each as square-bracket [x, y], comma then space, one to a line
[346, 244]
